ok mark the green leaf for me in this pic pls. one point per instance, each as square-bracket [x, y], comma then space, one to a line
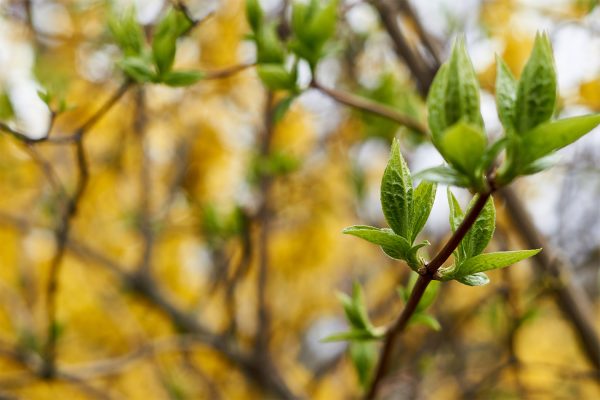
[364, 357]
[164, 45]
[429, 296]
[181, 78]
[6, 109]
[424, 196]
[478, 279]
[312, 25]
[354, 315]
[282, 107]
[506, 95]
[541, 164]
[551, 136]
[353, 335]
[394, 245]
[276, 77]
[322, 25]
[536, 93]
[462, 91]
[456, 214]
[435, 103]
[397, 193]
[127, 33]
[254, 14]
[269, 49]
[463, 145]
[490, 261]
[427, 320]
[491, 153]
[480, 234]
[443, 174]
[137, 69]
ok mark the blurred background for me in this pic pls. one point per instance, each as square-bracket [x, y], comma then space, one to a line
[186, 249]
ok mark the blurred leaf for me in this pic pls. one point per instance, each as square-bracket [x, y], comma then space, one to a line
[443, 174]
[276, 77]
[364, 357]
[254, 14]
[282, 107]
[127, 33]
[181, 78]
[6, 108]
[137, 69]
[427, 320]
[353, 335]
[269, 49]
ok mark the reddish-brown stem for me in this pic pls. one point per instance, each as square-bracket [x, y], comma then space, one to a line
[371, 107]
[393, 334]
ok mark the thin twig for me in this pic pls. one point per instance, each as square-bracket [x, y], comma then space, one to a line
[372, 107]
[393, 334]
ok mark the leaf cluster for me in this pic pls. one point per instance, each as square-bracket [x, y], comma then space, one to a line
[144, 63]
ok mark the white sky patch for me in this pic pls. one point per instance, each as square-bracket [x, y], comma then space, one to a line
[52, 19]
[362, 18]
[577, 54]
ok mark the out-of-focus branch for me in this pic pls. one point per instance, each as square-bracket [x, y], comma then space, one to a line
[570, 298]
[423, 73]
[64, 226]
[371, 107]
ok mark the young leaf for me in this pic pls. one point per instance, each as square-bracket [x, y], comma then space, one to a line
[427, 320]
[491, 153]
[551, 136]
[429, 296]
[322, 25]
[282, 107]
[364, 356]
[478, 279]
[536, 93]
[423, 198]
[480, 234]
[443, 174]
[254, 14]
[435, 103]
[394, 245]
[397, 193]
[463, 145]
[506, 95]
[181, 78]
[276, 77]
[127, 33]
[355, 316]
[137, 69]
[490, 261]
[269, 49]
[462, 91]
[456, 214]
[164, 43]
[353, 335]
